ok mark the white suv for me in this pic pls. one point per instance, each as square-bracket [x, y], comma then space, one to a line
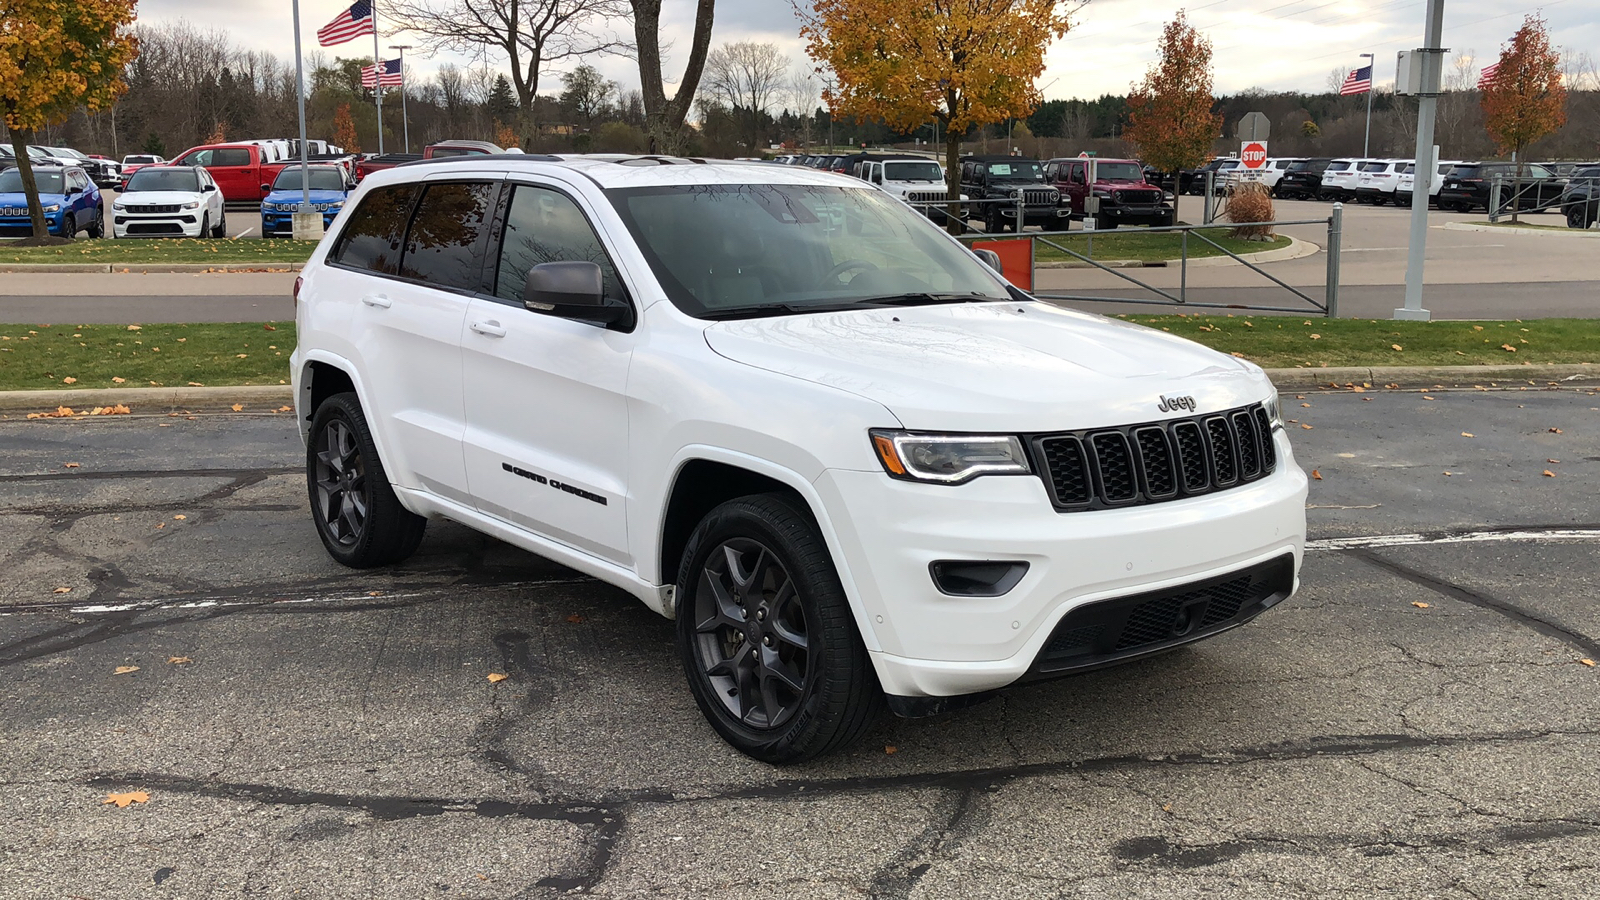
[170, 201]
[780, 406]
[919, 182]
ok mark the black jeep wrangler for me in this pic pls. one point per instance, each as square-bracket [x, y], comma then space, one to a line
[995, 184]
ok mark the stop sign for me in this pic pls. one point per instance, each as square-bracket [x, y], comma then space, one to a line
[1253, 155]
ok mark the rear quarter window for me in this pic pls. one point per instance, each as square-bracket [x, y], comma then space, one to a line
[371, 239]
[444, 245]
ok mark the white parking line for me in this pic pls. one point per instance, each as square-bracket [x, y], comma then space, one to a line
[1465, 537]
[244, 233]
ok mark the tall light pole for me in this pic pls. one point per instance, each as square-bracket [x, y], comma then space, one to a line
[405, 118]
[1426, 168]
[307, 222]
[1365, 151]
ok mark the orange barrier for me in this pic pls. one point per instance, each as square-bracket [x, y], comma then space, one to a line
[1016, 260]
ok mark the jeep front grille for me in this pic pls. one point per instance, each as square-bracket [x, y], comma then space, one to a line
[1106, 468]
[1041, 197]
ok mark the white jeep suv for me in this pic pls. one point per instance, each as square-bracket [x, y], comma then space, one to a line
[780, 406]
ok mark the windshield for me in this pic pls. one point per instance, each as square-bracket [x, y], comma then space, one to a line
[48, 182]
[1021, 170]
[1118, 171]
[164, 180]
[138, 160]
[321, 180]
[67, 151]
[722, 251]
[912, 171]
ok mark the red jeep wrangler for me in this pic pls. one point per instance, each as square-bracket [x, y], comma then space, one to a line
[1125, 197]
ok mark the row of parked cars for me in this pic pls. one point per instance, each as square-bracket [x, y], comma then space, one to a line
[1456, 185]
[1050, 194]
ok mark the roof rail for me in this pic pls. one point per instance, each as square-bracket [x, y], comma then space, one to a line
[479, 157]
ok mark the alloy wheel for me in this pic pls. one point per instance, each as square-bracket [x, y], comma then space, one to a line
[751, 639]
[341, 479]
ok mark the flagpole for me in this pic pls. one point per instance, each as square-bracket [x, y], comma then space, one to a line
[405, 117]
[1371, 80]
[305, 178]
[377, 72]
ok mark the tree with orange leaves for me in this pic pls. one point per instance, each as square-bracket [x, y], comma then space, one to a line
[55, 56]
[961, 63]
[1169, 112]
[344, 130]
[1525, 98]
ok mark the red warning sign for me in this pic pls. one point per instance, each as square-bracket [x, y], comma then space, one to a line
[1253, 155]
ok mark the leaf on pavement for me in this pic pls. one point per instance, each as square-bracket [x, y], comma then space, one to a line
[1420, 605]
[1317, 474]
[195, 384]
[1467, 434]
[575, 619]
[61, 412]
[285, 409]
[62, 590]
[179, 661]
[237, 407]
[124, 670]
[497, 677]
[890, 750]
[122, 800]
[118, 410]
[1305, 426]
[1555, 431]
[1587, 662]
[1549, 474]
[180, 517]
[70, 466]
[1552, 460]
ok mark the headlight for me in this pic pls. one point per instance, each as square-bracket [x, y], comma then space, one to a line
[1016, 192]
[1274, 412]
[193, 204]
[53, 208]
[116, 205]
[948, 458]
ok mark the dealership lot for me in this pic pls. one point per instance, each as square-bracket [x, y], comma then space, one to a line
[1416, 721]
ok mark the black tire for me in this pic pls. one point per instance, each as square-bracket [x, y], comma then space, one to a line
[97, 228]
[1107, 224]
[69, 226]
[205, 225]
[1578, 216]
[221, 231]
[756, 582]
[357, 514]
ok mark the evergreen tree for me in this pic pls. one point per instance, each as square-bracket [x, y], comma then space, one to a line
[502, 103]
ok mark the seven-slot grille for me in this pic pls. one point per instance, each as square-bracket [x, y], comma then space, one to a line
[925, 196]
[14, 211]
[1040, 197]
[148, 209]
[1136, 196]
[1137, 464]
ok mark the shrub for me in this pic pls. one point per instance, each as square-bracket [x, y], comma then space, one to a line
[1250, 202]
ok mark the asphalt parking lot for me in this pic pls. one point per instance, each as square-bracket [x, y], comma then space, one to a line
[1415, 722]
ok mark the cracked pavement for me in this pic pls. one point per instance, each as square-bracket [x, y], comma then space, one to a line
[306, 730]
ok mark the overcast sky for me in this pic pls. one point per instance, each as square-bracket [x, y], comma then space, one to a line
[1259, 43]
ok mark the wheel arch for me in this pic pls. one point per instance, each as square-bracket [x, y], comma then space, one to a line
[704, 478]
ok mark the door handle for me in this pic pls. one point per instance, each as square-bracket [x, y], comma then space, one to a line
[490, 328]
[378, 300]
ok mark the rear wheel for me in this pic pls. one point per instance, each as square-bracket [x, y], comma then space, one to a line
[767, 637]
[357, 514]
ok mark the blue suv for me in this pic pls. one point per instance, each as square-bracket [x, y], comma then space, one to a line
[328, 192]
[70, 199]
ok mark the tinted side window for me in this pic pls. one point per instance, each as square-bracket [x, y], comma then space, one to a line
[230, 156]
[545, 226]
[197, 158]
[371, 240]
[444, 246]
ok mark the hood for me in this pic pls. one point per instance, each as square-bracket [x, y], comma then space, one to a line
[21, 199]
[158, 198]
[293, 196]
[996, 367]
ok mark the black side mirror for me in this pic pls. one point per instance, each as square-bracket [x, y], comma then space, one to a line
[209, 188]
[990, 259]
[265, 188]
[572, 290]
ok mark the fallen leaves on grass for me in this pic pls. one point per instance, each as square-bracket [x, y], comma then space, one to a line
[1508, 348]
[269, 327]
[135, 328]
[1397, 348]
[118, 379]
[196, 384]
[1316, 337]
[497, 677]
[124, 670]
[69, 380]
[122, 800]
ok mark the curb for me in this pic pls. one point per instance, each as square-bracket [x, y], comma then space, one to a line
[1296, 249]
[150, 400]
[269, 397]
[1431, 376]
[1589, 233]
[149, 268]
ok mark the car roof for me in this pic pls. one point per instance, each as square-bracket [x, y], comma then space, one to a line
[997, 157]
[623, 170]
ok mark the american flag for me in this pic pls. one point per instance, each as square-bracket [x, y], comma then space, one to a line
[351, 24]
[392, 76]
[1358, 82]
[1486, 80]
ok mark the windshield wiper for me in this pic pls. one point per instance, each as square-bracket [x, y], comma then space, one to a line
[924, 298]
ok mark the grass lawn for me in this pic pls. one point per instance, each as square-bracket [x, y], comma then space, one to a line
[1283, 342]
[34, 357]
[163, 250]
[1136, 244]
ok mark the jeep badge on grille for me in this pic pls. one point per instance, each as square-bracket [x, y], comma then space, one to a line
[1169, 404]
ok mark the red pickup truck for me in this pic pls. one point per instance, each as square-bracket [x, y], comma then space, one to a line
[238, 169]
[1125, 197]
[440, 150]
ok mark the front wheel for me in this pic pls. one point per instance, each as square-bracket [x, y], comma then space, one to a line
[221, 231]
[767, 637]
[69, 226]
[357, 514]
[1578, 217]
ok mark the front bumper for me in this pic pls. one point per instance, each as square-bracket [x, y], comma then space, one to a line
[928, 644]
[1139, 215]
[283, 223]
[22, 226]
[129, 225]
